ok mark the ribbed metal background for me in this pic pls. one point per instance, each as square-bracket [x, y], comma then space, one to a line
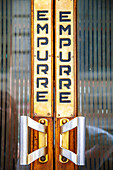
[14, 76]
[95, 79]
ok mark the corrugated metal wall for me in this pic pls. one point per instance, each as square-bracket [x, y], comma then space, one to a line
[14, 76]
[95, 79]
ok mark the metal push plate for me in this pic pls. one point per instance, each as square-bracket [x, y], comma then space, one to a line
[42, 58]
[64, 58]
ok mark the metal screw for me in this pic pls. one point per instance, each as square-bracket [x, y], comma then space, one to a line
[48, 114]
[64, 121]
[64, 159]
[43, 158]
[42, 121]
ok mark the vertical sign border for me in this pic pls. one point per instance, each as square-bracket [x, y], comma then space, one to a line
[72, 133]
[37, 164]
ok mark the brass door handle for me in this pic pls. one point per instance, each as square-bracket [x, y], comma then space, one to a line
[26, 122]
[79, 158]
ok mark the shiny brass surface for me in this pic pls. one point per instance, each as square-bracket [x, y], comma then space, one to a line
[65, 67]
[42, 63]
[43, 141]
[64, 141]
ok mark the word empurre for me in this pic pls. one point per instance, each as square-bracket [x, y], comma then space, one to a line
[65, 57]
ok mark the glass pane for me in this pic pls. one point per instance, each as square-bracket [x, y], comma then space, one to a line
[14, 77]
[95, 79]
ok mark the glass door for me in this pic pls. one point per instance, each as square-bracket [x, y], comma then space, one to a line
[95, 79]
[39, 79]
[15, 76]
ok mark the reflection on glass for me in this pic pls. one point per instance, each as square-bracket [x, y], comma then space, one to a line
[95, 79]
[14, 77]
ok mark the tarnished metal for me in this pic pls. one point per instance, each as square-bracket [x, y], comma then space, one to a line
[43, 58]
[79, 158]
[26, 122]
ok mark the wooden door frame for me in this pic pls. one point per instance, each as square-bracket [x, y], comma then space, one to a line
[34, 135]
[73, 133]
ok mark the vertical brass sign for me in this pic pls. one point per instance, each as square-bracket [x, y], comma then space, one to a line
[64, 58]
[42, 77]
[42, 58]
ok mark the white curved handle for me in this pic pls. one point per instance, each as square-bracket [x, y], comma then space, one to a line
[79, 158]
[26, 158]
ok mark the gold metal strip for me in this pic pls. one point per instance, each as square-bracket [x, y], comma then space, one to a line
[43, 140]
[42, 58]
[64, 141]
[64, 58]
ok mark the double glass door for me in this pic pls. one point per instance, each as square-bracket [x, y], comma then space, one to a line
[56, 66]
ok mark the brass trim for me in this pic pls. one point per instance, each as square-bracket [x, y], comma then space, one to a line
[64, 140]
[43, 140]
